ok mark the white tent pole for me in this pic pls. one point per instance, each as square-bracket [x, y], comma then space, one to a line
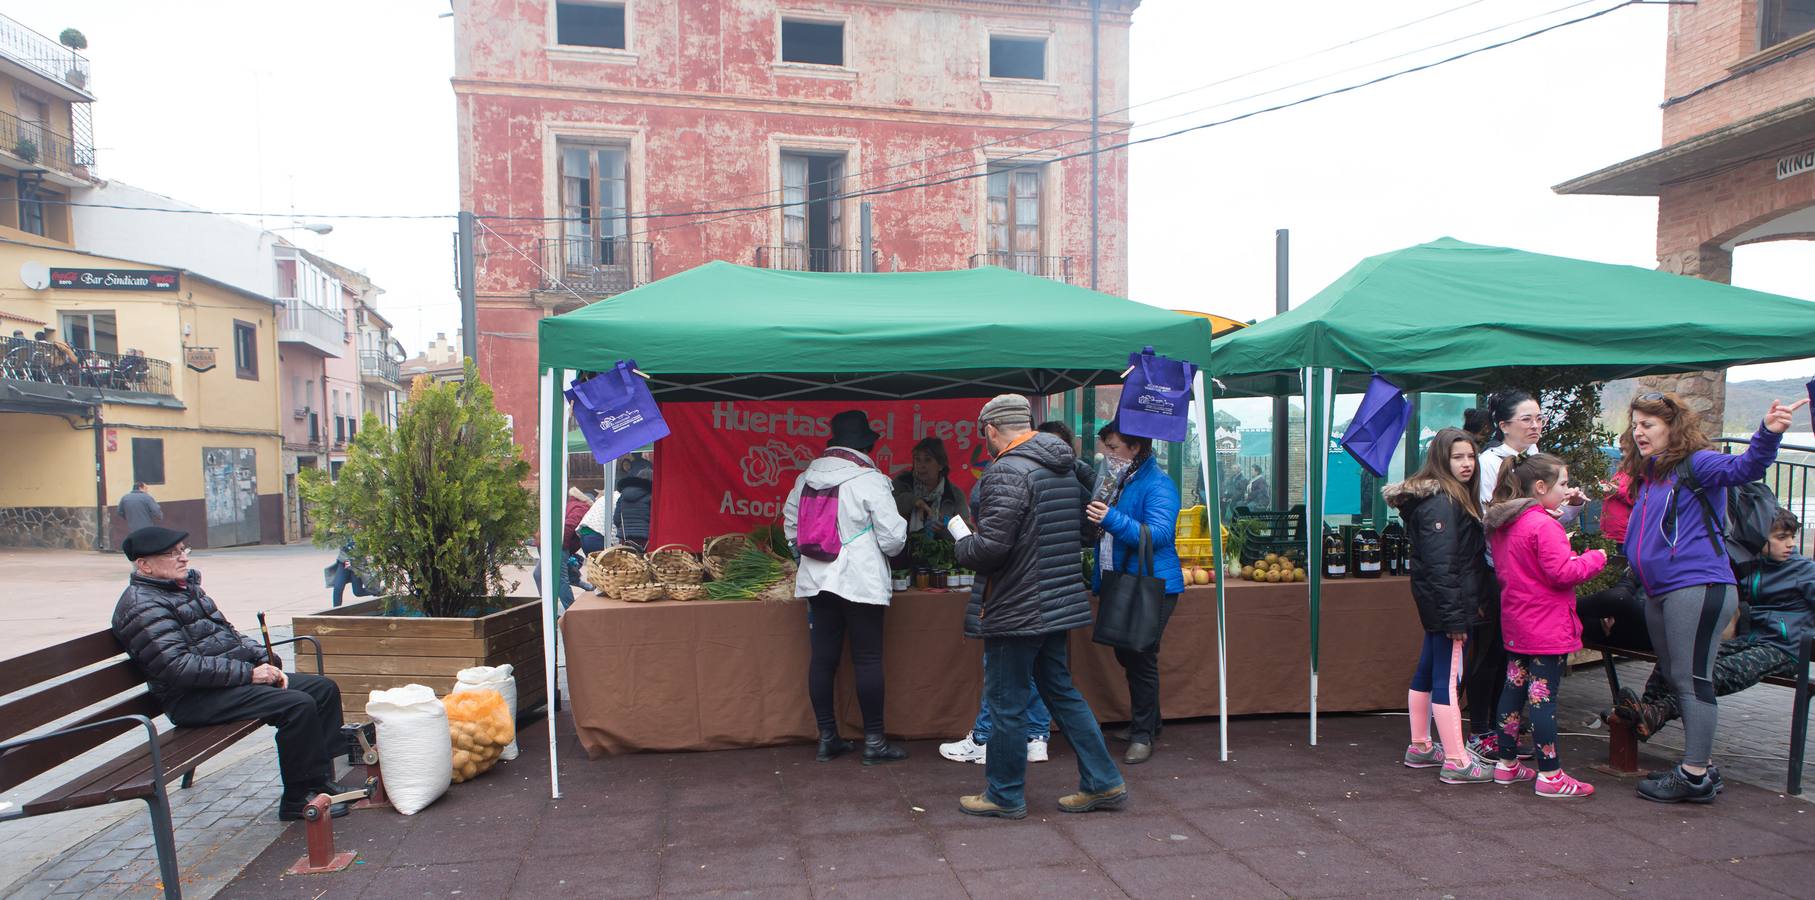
[1206, 452]
[554, 453]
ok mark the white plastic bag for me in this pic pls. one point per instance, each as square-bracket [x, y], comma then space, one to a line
[413, 747]
[493, 678]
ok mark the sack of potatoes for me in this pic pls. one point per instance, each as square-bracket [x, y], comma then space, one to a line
[480, 726]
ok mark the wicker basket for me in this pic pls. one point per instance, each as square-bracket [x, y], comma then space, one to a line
[717, 551]
[684, 590]
[614, 569]
[675, 564]
[641, 592]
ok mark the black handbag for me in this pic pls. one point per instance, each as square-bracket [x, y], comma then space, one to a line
[1129, 605]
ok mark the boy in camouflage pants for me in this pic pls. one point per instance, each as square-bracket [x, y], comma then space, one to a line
[1781, 611]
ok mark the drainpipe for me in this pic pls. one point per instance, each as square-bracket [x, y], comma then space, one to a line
[100, 479]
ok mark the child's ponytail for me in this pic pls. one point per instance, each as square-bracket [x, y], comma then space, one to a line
[1517, 475]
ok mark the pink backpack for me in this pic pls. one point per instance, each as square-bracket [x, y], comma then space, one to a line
[816, 535]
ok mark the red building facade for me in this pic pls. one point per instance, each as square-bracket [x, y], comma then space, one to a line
[1737, 165]
[607, 144]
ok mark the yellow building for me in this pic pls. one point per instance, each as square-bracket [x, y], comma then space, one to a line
[149, 374]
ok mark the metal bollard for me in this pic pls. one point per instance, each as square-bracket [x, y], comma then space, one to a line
[319, 825]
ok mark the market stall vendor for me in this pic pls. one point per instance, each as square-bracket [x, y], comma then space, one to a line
[925, 494]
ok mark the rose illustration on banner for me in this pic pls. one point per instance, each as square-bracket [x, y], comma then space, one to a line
[763, 466]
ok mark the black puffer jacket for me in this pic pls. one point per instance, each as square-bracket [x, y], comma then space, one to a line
[1026, 546]
[180, 640]
[1449, 559]
[631, 515]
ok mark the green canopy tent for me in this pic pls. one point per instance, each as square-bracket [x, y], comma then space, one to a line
[723, 331]
[1444, 315]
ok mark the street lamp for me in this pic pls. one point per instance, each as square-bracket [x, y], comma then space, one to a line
[317, 227]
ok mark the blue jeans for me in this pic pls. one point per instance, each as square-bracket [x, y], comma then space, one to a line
[1039, 721]
[564, 582]
[1008, 665]
[345, 577]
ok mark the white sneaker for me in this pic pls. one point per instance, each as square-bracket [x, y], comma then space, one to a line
[966, 750]
[1036, 750]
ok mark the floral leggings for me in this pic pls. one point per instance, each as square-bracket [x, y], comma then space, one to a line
[1531, 690]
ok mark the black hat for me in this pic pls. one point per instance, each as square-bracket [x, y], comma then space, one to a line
[851, 428]
[152, 540]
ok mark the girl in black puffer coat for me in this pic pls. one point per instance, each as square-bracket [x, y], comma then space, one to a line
[1442, 515]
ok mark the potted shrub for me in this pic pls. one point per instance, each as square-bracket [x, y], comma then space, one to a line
[27, 149]
[434, 510]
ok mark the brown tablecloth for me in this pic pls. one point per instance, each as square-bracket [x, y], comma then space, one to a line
[706, 675]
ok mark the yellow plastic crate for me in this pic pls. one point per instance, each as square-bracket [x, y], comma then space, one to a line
[1195, 551]
[1192, 523]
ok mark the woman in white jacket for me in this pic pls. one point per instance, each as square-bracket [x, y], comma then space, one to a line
[849, 591]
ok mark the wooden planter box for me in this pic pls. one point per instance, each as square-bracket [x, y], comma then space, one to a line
[365, 652]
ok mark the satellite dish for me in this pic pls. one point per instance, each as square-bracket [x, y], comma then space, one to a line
[36, 275]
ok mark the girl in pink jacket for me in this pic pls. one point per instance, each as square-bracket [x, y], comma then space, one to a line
[1538, 572]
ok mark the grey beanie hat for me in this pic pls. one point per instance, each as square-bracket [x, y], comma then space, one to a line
[1010, 410]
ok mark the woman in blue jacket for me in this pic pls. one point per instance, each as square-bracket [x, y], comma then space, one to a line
[1138, 494]
[1682, 564]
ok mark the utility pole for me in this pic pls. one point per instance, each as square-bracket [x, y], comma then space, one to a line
[1282, 410]
[866, 236]
[469, 307]
[1096, 91]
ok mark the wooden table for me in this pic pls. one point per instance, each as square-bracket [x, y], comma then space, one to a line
[706, 675]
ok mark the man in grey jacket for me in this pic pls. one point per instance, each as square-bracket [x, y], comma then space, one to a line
[140, 509]
[1030, 594]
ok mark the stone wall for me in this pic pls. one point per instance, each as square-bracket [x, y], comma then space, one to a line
[62, 527]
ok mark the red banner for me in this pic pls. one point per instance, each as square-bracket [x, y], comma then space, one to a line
[729, 465]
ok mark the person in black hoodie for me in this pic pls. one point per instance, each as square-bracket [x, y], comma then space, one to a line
[630, 517]
[1441, 509]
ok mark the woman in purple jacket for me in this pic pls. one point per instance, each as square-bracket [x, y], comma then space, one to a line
[1681, 564]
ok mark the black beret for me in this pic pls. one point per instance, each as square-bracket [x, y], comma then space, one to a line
[152, 540]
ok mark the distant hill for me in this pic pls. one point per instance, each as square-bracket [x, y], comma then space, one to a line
[1746, 401]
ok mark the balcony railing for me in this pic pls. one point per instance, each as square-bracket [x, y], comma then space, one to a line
[306, 323]
[809, 259]
[43, 55]
[38, 145]
[377, 364]
[589, 265]
[47, 363]
[1057, 268]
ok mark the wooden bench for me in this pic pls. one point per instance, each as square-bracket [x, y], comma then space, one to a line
[138, 774]
[1622, 743]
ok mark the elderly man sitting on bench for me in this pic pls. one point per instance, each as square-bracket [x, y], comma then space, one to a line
[1780, 598]
[203, 672]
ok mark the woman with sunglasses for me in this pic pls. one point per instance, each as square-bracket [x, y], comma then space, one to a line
[1518, 421]
[1673, 544]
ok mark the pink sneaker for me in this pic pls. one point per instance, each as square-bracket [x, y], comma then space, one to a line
[1563, 786]
[1519, 772]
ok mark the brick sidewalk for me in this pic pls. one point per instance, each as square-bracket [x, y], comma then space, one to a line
[1282, 819]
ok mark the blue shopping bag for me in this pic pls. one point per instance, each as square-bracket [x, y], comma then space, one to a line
[1156, 397]
[1379, 424]
[616, 412]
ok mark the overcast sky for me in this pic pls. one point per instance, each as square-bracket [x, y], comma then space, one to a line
[344, 106]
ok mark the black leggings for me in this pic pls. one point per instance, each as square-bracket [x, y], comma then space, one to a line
[1531, 692]
[833, 617]
[1486, 673]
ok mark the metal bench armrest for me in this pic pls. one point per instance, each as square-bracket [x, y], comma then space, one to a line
[319, 668]
[151, 738]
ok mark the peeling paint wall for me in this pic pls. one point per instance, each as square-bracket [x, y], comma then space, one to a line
[705, 107]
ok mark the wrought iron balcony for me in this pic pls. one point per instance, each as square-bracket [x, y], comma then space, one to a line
[47, 363]
[39, 146]
[376, 364]
[810, 259]
[43, 56]
[589, 265]
[324, 330]
[1057, 268]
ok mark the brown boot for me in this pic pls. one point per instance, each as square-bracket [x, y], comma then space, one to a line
[1082, 802]
[981, 805]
